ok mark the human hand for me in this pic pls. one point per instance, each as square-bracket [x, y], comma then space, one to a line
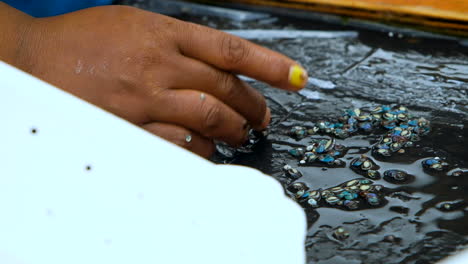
[170, 77]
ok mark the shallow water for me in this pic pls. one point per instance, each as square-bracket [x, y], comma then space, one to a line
[422, 233]
[420, 230]
[430, 77]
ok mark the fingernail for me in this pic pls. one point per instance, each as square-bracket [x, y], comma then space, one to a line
[267, 118]
[297, 76]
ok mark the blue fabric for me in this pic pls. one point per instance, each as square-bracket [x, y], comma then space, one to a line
[45, 8]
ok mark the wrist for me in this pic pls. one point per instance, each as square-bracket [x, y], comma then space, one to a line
[15, 40]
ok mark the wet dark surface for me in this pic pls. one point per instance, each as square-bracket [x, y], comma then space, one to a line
[424, 218]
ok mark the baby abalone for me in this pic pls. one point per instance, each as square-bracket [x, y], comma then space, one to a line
[340, 233]
[397, 176]
[435, 164]
[297, 186]
[366, 167]
[292, 172]
[372, 199]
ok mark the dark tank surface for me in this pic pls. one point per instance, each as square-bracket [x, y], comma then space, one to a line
[421, 216]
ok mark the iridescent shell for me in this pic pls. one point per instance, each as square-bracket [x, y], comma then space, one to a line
[373, 174]
[396, 176]
[340, 234]
[364, 187]
[326, 194]
[372, 199]
[312, 202]
[336, 189]
[292, 173]
[332, 200]
[297, 186]
[315, 195]
[366, 165]
[351, 204]
[353, 182]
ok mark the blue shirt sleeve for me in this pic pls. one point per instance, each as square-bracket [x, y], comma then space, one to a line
[45, 8]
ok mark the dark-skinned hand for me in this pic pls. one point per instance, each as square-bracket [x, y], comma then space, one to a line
[170, 77]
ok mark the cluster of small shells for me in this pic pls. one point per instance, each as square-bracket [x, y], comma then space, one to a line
[404, 130]
[403, 135]
[320, 150]
[366, 167]
[436, 164]
[351, 195]
[399, 131]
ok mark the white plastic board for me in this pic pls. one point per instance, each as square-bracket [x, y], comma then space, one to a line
[79, 185]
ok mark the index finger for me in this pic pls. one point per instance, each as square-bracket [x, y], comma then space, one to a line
[234, 54]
